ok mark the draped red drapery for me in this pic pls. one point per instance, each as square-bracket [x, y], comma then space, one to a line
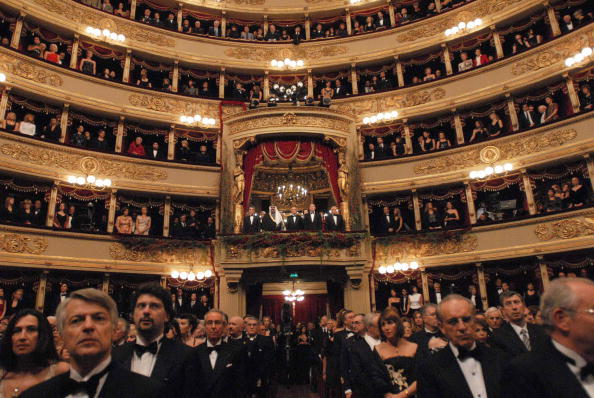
[313, 307]
[289, 151]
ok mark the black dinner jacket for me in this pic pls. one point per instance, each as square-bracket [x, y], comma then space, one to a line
[506, 339]
[524, 123]
[358, 358]
[422, 338]
[120, 383]
[226, 380]
[294, 224]
[201, 310]
[159, 156]
[173, 358]
[258, 359]
[332, 226]
[192, 309]
[384, 224]
[440, 375]
[316, 225]
[339, 91]
[56, 302]
[541, 374]
[250, 228]
[381, 152]
[433, 296]
[479, 302]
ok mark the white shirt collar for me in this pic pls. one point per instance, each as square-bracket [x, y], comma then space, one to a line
[518, 329]
[208, 344]
[371, 341]
[579, 361]
[141, 341]
[456, 350]
[430, 332]
[74, 375]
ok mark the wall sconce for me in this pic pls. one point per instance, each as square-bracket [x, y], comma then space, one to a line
[385, 116]
[105, 34]
[490, 170]
[89, 181]
[463, 26]
[207, 121]
[579, 57]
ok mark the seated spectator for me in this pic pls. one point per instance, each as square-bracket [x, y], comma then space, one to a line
[246, 34]
[215, 29]
[10, 123]
[100, 143]
[465, 64]
[495, 127]
[339, 90]
[520, 44]
[190, 89]
[369, 24]
[9, 213]
[442, 142]
[479, 132]
[380, 21]
[429, 75]
[88, 65]
[431, 9]
[78, 138]
[272, 34]
[184, 153]
[88, 139]
[198, 29]
[166, 85]
[107, 7]
[144, 81]
[61, 218]
[136, 148]
[37, 48]
[146, 17]
[566, 24]
[552, 112]
[52, 54]
[170, 23]
[121, 11]
[186, 28]
[202, 156]
[342, 30]
[552, 202]
[586, 99]
[427, 142]
[233, 32]
[404, 17]
[124, 223]
[51, 131]
[27, 126]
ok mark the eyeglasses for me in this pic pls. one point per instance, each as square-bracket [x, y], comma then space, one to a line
[589, 311]
[454, 321]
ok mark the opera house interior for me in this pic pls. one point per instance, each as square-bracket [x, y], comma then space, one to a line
[298, 163]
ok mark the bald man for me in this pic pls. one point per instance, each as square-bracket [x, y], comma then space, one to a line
[235, 328]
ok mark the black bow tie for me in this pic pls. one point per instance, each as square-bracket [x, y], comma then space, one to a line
[141, 349]
[90, 386]
[216, 348]
[586, 371]
[463, 354]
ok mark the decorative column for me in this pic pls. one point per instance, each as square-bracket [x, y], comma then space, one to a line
[482, 284]
[528, 192]
[40, 296]
[310, 86]
[497, 42]
[572, 93]
[224, 24]
[360, 141]
[217, 217]
[119, 136]
[219, 149]
[399, 71]
[166, 215]
[438, 5]
[354, 81]
[74, 55]
[458, 127]
[447, 60]
[307, 27]
[552, 15]
[470, 203]
[175, 77]
[105, 284]
[18, 29]
[132, 9]
[417, 209]
[265, 24]
[51, 206]
[407, 137]
[590, 164]
[171, 143]
[163, 282]
[392, 14]
[425, 284]
[112, 210]
[365, 212]
[349, 22]
[222, 83]
[266, 88]
[180, 16]
[513, 115]
[127, 64]
[64, 123]
[4, 102]
[544, 272]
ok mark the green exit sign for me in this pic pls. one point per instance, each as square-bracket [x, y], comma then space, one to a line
[294, 275]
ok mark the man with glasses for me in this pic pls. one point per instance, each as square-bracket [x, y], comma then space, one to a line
[516, 336]
[464, 368]
[494, 318]
[564, 366]
[358, 328]
[430, 338]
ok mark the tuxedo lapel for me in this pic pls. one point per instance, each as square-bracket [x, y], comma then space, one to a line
[513, 338]
[452, 373]
[128, 350]
[558, 373]
[161, 367]
[491, 374]
[222, 360]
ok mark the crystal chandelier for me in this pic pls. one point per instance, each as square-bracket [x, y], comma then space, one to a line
[293, 295]
[290, 191]
[398, 267]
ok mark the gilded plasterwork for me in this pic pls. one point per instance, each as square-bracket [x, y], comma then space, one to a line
[508, 150]
[171, 105]
[407, 248]
[67, 161]
[289, 119]
[16, 243]
[302, 251]
[380, 104]
[27, 70]
[159, 251]
[89, 17]
[266, 53]
[565, 229]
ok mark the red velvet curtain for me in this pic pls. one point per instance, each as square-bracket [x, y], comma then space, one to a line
[289, 151]
[307, 310]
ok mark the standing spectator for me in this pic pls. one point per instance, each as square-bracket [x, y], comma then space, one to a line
[136, 148]
[88, 65]
[465, 64]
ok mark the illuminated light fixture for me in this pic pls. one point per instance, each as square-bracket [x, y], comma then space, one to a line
[287, 63]
[195, 119]
[105, 34]
[463, 26]
[382, 116]
[2, 77]
[355, 1]
[398, 267]
[89, 181]
[579, 57]
[491, 170]
[294, 295]
[191, 276]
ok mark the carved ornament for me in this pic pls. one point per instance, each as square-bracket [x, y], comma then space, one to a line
[565, 229]
[423, 246]
[171, 105]
[380, 104]
[289, 119]
[309, 53]
[27, 70]
[508, 150]
[86, 16]
[159, 251]
[16, 243]
[67, 161]
[301, 251]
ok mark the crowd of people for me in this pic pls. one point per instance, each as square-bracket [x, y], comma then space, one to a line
[307, 220]
[572, 194]
[447, 348]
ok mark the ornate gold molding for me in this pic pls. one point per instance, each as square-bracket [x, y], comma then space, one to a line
[409, 248]
[289, 119]
[68, 161]
[268, 53]
[17, 243]
[172, 105]
[29, 71]
[391, 101]
[161, 251]
[86, 16]
[510, 149]
[565, 229]
[302, 251]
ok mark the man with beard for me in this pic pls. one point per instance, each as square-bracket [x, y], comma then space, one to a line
[152, 354]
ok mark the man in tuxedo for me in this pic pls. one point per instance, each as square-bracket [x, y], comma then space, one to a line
[386, 222]
[341, 336]
[542, 114]
[215, 29]
[217, 368]
[181, 228]
[294, 221]
[381, 149]
[495, 291]
[153, 355]
[371, 153]
[339, 90]
[203, 307]
[251, 222]
[528, 118]
[312, 221]
[516, 336]
[475, 298]
[236, 328]
[354, 352]
[431, 337]
[146, 17]
[202, 156]
[192, 305]
[60, 297]
[170, 22]
[334, 221]
[121, 332]
[494, 318]
[38, 214]
[258, 357]
[436, 295]
[564, 366]
[86, 321]
[464, 368]
[155, 153]
[567, 24]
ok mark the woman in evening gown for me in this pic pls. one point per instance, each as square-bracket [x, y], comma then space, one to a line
[143, 222]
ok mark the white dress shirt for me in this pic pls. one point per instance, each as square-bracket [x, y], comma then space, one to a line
[518, 330]
[312, 216]
[528, 118]
[588, 382]
[473, 299]
[437, 297]
[74, 375]
[214, 354]
[144, 365]
[473, 373]
[372, 342]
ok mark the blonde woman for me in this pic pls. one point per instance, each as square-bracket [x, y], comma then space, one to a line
[143, 222]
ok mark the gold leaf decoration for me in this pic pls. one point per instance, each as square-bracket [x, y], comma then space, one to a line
[289, 119]
[67, 161]
[171, 105]
[16, 243]
[308, 53]
[565, 229]
[509, 149]
[406, 248]
[391, 101]
[29, 71]
[159, 251]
